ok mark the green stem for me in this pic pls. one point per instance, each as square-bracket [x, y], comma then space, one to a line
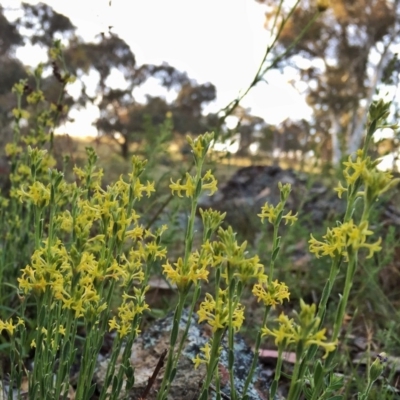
[257, 346]
[346, 293]
[212, 366]
[295, 387]
[166, 382]
[274, 246]
[278, 370]
[335, 267]
[231, 339]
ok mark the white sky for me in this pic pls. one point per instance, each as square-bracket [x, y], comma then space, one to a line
[217, 41]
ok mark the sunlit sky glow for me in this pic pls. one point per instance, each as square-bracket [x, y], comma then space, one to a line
[217, 41]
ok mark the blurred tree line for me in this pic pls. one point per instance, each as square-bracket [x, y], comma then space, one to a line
[348, 55]
[340, 63]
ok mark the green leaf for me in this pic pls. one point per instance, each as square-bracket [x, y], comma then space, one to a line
[91, 391]
[115, 384]
[231, 358]
[318, 374]
[198, 189]
[130, 374]
[275, 253]
[173, 373]
[273, 389]
[174, 333]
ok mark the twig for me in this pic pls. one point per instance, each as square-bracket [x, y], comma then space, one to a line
[153, 377]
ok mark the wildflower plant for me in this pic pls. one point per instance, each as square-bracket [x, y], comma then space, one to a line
[90, 260]
[188, 271]
[363, 184]
[78, 267]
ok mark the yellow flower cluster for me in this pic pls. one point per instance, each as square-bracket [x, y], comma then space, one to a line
[216, 313]
[272, 213]
[196, 270]
[305, 331]
[131, 307]
[9, 326]
[100, 221]
[56, 270]
[345, 237]
[30, 188]
[275, 214]
[189, 187]
[49, 340]
[376, 182]
[12, 149]
[233, 257]
[53, 269]
[205, 351]
[272, 293]
[35, 97]
[38, 193]
[200, 146]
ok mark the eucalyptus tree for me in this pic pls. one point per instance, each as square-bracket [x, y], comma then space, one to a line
[340, 62]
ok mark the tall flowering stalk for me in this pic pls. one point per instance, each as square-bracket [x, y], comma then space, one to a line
[363, 184]
[90, 261]
[79, 266]
[41, 117]
[191, 269]
[233, 269]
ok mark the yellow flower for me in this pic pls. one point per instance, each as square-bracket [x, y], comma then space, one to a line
[216, 313]
[187, 187]
[273, 294]
[284, 333]
[19, 113]
[305, 330]
[9, 326]
[290, 218]
[208, 182]
[342, 238]
[11, 149]
[183, 276]
[130, 307]
[340, 189]
[270, 212]
[35, 97]
[228, 253]
[200, 145]
[38, 193]
[112, 323]
[354, 169]
[206, 350]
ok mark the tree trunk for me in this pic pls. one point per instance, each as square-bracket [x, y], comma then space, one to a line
[125, 149]
[335, 132]
[355, 140]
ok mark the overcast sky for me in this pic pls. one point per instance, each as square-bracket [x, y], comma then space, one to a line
[217, 41]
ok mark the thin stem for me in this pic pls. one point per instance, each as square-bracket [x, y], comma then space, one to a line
[346, 293]
[257, 346]
[162, 394]
[294, 384]
[214, 357]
